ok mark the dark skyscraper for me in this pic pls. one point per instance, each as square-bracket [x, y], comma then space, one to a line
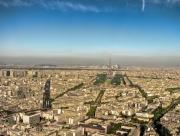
[46, 95]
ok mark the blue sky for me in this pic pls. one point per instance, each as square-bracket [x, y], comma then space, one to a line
[89, 27]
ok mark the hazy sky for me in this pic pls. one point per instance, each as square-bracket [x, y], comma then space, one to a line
[89, 27]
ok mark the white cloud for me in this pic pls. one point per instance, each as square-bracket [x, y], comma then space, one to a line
[62, 5]
[14, 3]
[85, 5]
[52, 4]
[4, 4]
[174, 1]
[143, 5]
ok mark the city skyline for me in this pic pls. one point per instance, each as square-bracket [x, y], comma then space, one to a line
[89, 67]
[45, 28]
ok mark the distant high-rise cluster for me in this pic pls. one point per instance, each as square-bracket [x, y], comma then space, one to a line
[18, 73]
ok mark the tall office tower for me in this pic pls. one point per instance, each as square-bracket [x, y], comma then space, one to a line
[46, 95]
